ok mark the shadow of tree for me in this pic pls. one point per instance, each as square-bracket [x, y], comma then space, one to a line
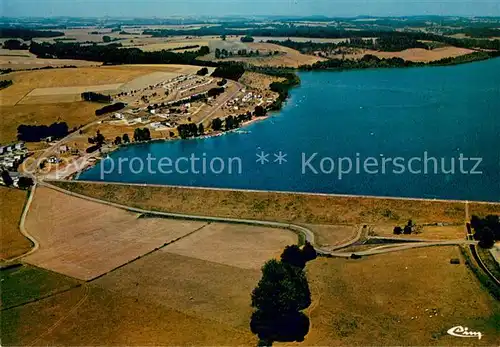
[270, 328]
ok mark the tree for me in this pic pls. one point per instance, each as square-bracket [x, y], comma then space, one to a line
[106, 39]
[259, 111]
[216, 124]
[292, 255]
[99, 138]
[25, 182]
[14, 45]
[308, 252]
[202, 72]
[217, 53]
[125, 138]
[487, 238]
[407, 230]
[283, 289]
[7, 180]
[247, 38]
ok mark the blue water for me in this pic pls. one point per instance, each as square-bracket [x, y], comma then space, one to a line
[385, 113]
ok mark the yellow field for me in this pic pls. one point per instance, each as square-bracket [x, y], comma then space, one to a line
[288, 57]
[413, 296]
[136, 308]
[12, 242]
[74, 113]
[416, 54]
[83, 239]
[242, 246]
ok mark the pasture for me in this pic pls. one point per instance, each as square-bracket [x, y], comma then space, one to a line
[413, 296]
[12, 242]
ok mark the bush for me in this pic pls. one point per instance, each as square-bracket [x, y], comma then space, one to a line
[247, 38]
[283, 289]
[202, 72]
[110, 108]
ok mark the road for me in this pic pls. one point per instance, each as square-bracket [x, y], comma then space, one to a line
[224, 100]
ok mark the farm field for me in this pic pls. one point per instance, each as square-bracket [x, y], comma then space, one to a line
[242, 246]
[73, 113]
[413, 296]
[297, 208]
[83, 239]
[12, 242]
[415, 54]
[161, 297]
[97, 313]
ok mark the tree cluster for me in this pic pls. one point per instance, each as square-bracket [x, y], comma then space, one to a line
[110, 108]
[229, 70]
[280, 296]
[5, 84]
[27, 34]
[214, 92]
[202, 72]
[15, 45]
[190, 130]
[98, 139]
[406, 230]
[96, 97]
[487, 230]
[114, 54]
[141, 135]
[35, 133]
[247, 38]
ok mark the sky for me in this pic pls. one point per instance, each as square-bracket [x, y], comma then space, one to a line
[166, 8]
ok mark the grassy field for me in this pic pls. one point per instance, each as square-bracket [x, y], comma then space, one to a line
[274, 206]
[26, 283]
[73, 113]
[242, 246]
[482, 210]
[171, 299]
[413, 296]
[431, 232]
[12, 242]
[140, 310]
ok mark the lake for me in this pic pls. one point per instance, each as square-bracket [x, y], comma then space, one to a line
[430, 132]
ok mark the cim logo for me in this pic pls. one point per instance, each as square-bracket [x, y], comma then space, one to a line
[461, 331]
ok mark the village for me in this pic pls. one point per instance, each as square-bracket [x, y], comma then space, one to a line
[151, 111]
